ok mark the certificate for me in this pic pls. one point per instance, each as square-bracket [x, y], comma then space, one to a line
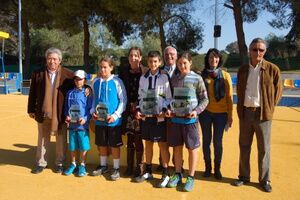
[184, 101]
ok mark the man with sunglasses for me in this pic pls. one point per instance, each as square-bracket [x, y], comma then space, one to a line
[258, 89]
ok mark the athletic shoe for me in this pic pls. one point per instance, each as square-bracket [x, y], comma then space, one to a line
[81, 171]
[189, 184]
[115, 175]
[163, 181]
[100, 170]
[174, 181]
[142, 178]
[70, 170]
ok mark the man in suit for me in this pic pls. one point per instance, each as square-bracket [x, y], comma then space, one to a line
[45, 104]
[170, 59]
[259, 89]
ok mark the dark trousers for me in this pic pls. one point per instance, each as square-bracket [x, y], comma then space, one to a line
[212, 125]
[249, 125]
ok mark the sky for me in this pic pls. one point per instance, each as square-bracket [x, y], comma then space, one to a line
[205, 14]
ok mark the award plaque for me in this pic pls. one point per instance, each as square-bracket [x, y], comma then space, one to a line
[184, 101]
[149, 104]
[74, 113]
[101, 111]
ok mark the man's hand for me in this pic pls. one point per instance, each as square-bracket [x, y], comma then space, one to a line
[31, 115]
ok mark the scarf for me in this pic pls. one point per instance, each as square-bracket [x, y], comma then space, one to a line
[50, 99]
[219, 84]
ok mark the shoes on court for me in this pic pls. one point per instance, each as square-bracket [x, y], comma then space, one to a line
[189, 184]
[174, 180]
[70, 170]
[100, 170]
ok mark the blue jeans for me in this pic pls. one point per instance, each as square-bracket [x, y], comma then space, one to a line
[217, 122]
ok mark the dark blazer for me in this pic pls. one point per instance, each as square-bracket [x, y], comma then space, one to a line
[37, 93]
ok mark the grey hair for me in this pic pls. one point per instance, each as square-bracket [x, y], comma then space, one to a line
[170, 47]
[257, 40]
[54, 50]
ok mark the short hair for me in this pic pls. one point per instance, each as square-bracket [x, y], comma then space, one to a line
[53, 50]
[170, 47]
[135, 49]
[215, 52]
[187, 55]
[107, 59]
[257, 40]
[153, 54]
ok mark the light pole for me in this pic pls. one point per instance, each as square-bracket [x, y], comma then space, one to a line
[216, 23]
[20, 46]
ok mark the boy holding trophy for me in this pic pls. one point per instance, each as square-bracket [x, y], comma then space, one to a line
[109, 103]
[77, 112]
[154, 97]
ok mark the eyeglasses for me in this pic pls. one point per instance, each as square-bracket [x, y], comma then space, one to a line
[260, 50]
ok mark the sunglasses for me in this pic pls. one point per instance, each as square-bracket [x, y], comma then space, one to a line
[260, 50]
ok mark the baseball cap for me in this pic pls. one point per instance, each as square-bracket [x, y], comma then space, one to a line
[80, 74]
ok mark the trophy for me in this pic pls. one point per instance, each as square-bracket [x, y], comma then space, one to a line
[184, 101]
[74, 113]
[101, 111]
[149, 104]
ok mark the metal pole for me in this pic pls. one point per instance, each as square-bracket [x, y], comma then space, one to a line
[20, 45]
[3, 67]
[216, 23]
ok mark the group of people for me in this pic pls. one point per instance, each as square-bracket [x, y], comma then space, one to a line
[162, 104]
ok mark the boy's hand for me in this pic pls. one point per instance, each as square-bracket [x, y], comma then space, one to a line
[68, 119]
[168, 113]
[81, 121]
[95, 116]
[87, 91]
[138, 115]
[192, 115]
[110, 119]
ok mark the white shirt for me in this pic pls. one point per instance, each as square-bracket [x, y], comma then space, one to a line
[253, 90]
[52, 75]
[171, 70]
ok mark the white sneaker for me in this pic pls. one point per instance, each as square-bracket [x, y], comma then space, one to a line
[163, 181]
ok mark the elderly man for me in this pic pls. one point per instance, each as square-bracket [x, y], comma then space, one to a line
[259, 89]
[45, 104]
[170, 59]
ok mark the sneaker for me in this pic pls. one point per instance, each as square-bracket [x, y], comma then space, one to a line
[115, 175]
[163, 181]
[174, 181]
[189, 184]
[81, 171]
[100, 170]
[70, 170]
[142, 178]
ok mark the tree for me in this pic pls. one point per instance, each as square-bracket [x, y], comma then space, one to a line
[248, 11]
[287, 20]
[280, 47]
[233, 47]
[170, 19]
[33, 16]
